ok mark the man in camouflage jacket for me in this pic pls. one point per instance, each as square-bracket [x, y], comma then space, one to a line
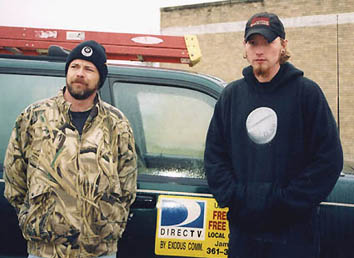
[70, 166]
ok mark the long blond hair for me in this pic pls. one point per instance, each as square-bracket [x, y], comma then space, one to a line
[285, 53]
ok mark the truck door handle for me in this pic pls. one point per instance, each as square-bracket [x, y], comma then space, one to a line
[144, 201]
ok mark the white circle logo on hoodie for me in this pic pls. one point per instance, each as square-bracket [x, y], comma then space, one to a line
[262, 125]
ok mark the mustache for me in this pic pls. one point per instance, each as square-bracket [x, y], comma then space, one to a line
[79, 81]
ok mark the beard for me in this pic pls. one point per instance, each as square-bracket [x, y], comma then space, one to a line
[80, 94]
[261, 71]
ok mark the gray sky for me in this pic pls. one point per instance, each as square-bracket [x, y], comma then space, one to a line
[128, 16]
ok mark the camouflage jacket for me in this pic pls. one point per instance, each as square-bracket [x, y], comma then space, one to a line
[72, 192]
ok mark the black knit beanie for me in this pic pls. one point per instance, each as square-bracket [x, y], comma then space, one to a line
[93, 52]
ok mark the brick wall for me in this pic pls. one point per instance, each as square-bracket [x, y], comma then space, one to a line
[320, 35]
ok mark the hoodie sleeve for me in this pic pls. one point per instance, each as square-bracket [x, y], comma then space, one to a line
[324, 155]
[217, 162]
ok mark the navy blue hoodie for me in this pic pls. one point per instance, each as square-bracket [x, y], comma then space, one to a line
[273, 151]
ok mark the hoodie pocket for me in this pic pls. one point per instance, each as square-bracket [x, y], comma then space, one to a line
[256, 209]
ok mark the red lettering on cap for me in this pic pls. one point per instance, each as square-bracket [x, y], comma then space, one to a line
[260, 21]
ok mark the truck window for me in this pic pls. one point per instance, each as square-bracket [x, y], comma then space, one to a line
[170, 125]
[18, 91]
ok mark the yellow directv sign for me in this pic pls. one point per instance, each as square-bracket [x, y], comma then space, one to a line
[191, 226]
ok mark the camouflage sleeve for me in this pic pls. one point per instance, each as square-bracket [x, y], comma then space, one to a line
[15, 165]
[127, 169]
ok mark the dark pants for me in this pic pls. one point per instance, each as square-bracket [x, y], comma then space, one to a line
[300, 240]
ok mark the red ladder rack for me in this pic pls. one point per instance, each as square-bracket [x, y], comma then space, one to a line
[119, 46]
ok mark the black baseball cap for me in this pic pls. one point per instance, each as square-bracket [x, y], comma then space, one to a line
[266, 24]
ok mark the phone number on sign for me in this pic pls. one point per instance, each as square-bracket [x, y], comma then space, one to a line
[216, 251]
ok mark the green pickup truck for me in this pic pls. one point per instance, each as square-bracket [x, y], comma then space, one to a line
[174, 213]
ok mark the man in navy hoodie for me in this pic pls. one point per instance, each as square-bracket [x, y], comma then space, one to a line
[273, 151]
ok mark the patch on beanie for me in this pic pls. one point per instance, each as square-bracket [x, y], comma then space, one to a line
[87, 51]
